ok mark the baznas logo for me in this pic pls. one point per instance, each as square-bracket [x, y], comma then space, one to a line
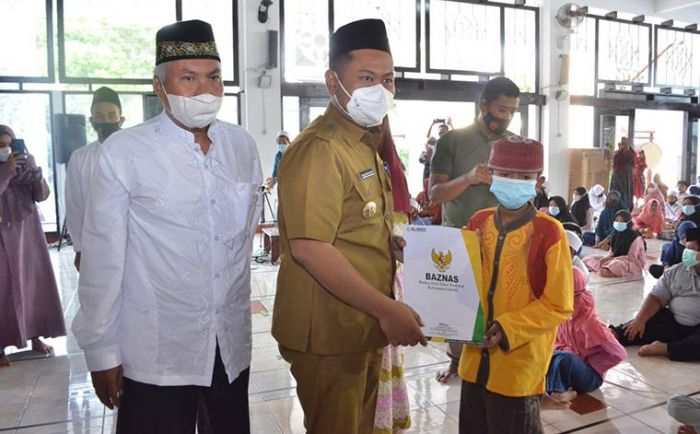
[442, 261]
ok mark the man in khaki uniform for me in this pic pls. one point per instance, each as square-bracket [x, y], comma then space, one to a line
[334, 310]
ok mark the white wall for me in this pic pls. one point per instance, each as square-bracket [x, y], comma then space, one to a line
[261, 109]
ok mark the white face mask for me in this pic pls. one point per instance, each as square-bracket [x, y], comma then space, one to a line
[367, 105]
[5, 153]
[194, 112]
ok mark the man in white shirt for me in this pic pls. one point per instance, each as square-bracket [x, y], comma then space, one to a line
[106, 118]
[164, 317]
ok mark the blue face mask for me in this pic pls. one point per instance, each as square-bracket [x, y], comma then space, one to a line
[690, 257]
[513, 193]
[689, 210]
[281, 148]
[554, 211]
[620, 226]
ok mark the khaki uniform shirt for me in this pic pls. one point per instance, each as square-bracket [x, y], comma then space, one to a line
[332, 188]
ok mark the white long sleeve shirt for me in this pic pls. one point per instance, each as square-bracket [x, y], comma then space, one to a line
[167, 242]
[78, 174]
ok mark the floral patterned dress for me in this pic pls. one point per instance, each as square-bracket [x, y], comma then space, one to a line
[393, 411]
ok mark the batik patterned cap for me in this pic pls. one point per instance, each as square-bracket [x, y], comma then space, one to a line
[192, 39]
[517, 154]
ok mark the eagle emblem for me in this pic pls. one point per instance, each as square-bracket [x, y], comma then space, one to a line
[442, 260]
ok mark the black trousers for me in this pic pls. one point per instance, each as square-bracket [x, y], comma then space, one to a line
[221, 408]
[683, 341]
[484, 412]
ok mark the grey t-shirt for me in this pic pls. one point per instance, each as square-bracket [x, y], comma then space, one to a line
[458, 152]
[680, 286]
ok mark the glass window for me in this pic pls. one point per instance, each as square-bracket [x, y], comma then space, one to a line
[113, 39]
[399, 17]
[533, 125]
[666, 129]
[464, 37]
[229, 110]
[80, 103]
[520, 48]
[624, 52]
[678, 62]
[23, 45]
[581, 126]
[582, 59]
[410, 120]
[305, 40]
[218, 13]
[290, 115]
[28, 114]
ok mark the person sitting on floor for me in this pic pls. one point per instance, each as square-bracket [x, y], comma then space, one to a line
[668, 323]
[597, 197]
[627, 254]
[541, 199]
[673, 207]
[585, 348]
[575, 246]
[672, 253]
[560, 211]
[685, 410]
[690, 210]
[613, 204]
[582, 210]
[650, 222]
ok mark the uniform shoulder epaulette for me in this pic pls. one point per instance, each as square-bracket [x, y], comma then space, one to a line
[327, 131]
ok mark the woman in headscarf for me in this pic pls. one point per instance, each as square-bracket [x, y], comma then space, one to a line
[653, 192]
[392, 414]
[582, 210]
[673, 207]
[575, 247]
[621, 179]
[638, 168]
[650, 222]
[613, 204]
[30, 306]
[690, 210]
[627, 254]
[672, 253]
[560, 211]
[585, 348]
[597, 198]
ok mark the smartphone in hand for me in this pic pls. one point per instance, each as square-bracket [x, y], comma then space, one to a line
[19, 150]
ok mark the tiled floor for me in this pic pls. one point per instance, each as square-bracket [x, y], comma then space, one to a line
[40, 395]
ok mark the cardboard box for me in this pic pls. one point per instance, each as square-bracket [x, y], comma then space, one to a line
[588, 167]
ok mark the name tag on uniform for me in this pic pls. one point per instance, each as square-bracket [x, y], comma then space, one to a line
[366, 174]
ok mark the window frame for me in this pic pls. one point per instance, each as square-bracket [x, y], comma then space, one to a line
[649, 57]
[657, 28]
[177, 4]
[502, 7]
[331, 29]
[50, 77]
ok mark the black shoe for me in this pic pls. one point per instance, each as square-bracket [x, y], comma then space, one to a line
[656, 270]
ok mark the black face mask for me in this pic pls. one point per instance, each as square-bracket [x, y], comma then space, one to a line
[494, 124]
[106, 129]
